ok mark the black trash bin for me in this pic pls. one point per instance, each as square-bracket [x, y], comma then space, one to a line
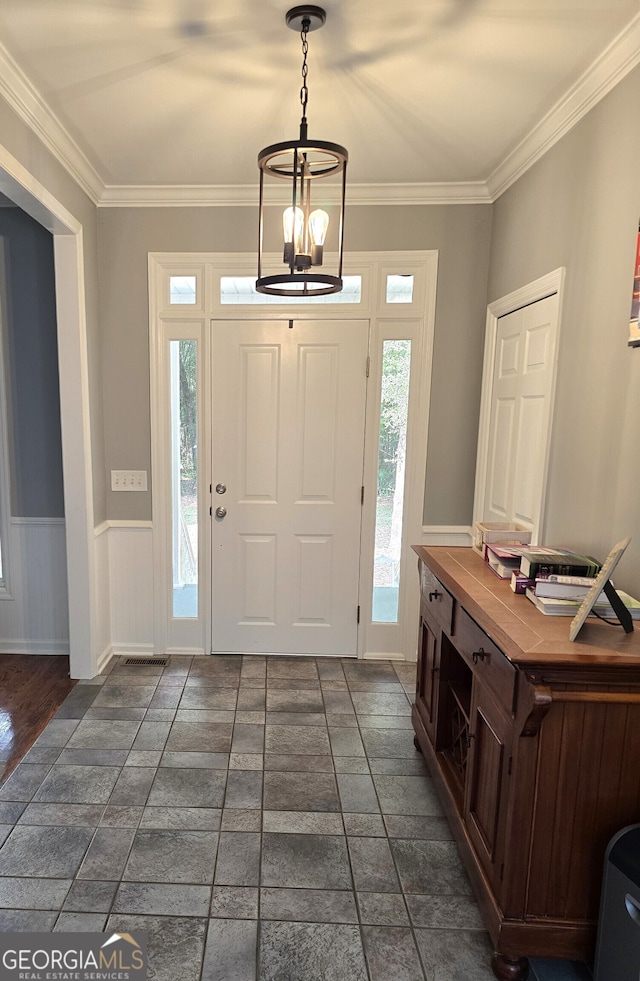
[618, 947]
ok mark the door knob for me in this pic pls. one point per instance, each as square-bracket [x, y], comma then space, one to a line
[220, 512]
[221, 488]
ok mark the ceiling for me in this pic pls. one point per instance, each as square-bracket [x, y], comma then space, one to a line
[182, 94]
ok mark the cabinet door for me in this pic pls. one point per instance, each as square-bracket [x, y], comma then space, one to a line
[487, 786]
[427, 678]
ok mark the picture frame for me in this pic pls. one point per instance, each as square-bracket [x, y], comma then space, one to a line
[600, 583]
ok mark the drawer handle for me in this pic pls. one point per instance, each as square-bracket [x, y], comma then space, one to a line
[434, 595]
[478, 655]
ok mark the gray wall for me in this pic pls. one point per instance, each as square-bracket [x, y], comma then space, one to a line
[578, 207]
[31, 365]
[461, 233]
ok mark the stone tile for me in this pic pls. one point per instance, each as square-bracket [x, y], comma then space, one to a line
[67, 815]
[334, 685]
[302, 822]
[357, 793]
[294, 684]
[239, 819]
[291, 667]
[92, 757]
[345, 741]
[366, 703]
[238, 862]
[234, 902]
[305, 861]
[251, 718]
[42, 754]
[294, 701]
[80, 923]
[300, 740]
[330, 670]
[90, 897]
[152, 735]
[160, 715]
[107, 854]
[24, 781]
[244, 789]
[313, 951]
[399, 767]
[5, 830]
[391, 953]
[430, 868]
[351, 764]
[407, 795]
[193, 787]
[121, 816]
[453, 954]
[10, 811]
[382, 909]
[446, 912]
[166, 698]
[143, 757]
[341, 721]
[406, 673]
[300, 792]
[205, 761]
[393, 743]
[162, 899]
[386, 722]
[105, 712]
[251, 700]
[124, 696]
[247, 739]
[181, 818]
[103, 735]
[133, 785]
[390, 687]
[296, 719]
[230, 953]
[172, 856]
[370, 671]
[246, 761]
[308, 905]
[27, 920]
[44, 851]
[204, 716]
[209, 698]
[175, 944]
[197, 737]
[337, 702]
[415, 826]
[364, 825]
[32, 893]
[254, 666]
[57, 733]
[372, 865]
[294, 762]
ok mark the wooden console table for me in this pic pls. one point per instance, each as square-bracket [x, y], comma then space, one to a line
[534, 745]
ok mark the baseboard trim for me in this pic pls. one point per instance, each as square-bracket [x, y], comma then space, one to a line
[39, 647]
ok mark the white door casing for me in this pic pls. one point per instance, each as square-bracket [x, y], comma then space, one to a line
[288, 441]
[517, 405]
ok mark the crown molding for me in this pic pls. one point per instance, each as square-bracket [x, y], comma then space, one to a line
[246, 195]
[27, 103]
[609, 68]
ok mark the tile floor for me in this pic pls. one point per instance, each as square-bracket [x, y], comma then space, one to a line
[261, 819]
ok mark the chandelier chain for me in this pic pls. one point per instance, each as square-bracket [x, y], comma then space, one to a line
[304, 91]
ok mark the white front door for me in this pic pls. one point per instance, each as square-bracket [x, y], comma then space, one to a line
[288, 439]
[520, 415]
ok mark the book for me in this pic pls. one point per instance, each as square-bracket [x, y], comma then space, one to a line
[554, 607]
[503, 558]
[538, 564]
[565, 587]
[520, 583]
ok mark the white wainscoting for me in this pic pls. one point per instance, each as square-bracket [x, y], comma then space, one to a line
[131, 583]
[452, 535]
[102, 603]
[34, 613]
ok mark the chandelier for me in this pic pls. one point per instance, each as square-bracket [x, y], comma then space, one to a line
[305, 164]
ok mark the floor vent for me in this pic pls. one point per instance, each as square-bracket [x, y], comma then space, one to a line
[161, 661]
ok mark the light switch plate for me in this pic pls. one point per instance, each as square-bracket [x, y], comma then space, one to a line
[128, 480]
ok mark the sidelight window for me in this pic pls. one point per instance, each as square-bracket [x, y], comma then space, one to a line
[184, 475]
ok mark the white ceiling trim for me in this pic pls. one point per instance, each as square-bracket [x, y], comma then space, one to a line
[245, 195]
[29, 106]
[622, 55]
[616, 61]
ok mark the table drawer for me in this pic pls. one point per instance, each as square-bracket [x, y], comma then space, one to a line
[487, 661]
[437, 600]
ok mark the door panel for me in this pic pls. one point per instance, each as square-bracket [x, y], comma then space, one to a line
[288, 438]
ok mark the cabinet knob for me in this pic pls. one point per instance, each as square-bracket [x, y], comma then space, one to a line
[478, 655]
[434, 595]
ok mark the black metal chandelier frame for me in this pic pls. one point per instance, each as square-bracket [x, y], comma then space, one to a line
[303, 163]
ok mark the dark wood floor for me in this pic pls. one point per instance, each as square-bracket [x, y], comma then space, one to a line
[32, 688]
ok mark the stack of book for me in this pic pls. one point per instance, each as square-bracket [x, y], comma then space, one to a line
[564, 604]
